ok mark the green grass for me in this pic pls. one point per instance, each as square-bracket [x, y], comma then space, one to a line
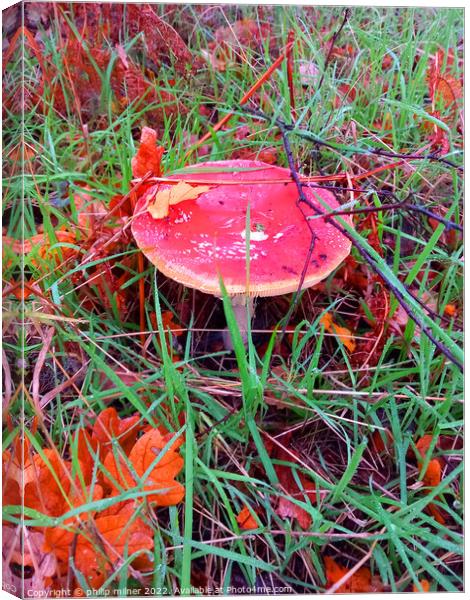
[365, 503]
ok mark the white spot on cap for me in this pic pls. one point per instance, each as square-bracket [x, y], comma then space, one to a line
[255, 236]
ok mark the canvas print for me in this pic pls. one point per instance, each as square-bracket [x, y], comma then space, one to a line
[232, 299]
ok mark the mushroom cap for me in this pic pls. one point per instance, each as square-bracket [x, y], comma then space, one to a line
[204, 239]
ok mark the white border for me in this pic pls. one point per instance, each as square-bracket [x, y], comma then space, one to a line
[416, 3]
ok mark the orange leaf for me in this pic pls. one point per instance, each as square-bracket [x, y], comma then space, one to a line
[450, 310]
[246, 520]
[343, 333]
[84, 443]
[360, 581]
[433, 475]
[161, 477]
[109, 426]
[49, 487]
[94, 559]
[149, 155]
[448, 90]
[424, 584]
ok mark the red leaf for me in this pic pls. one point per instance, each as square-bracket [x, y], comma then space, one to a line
[285, 507]
[149, 155]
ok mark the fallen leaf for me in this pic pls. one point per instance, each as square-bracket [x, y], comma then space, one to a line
[217, 64]
[285, 508]
[89, 210]
[432, 476]
[343, 333]
[86, 445]
[245, 33]
[424, 585]
[160, 38]
[110, 427]
[159, 476]
[443, 87]
[359, 582]
[246, 520]
[450, 310]
[174, 195]
[48, 490]
[94, 557]
[149, 155]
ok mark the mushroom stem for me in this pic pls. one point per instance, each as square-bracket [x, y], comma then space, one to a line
[243, 308]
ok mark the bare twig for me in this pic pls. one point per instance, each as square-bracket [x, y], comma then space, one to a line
[285, 129]
[346, 15]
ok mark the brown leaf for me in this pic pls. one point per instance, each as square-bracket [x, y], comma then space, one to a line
[174, 195]
[160, 37]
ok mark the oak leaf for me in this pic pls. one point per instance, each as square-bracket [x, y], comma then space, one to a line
[174, 195]
[94, 557]
[143, 470]
[109, 426]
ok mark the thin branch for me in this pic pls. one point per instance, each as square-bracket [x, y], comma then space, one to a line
[311, 137]
[372, 151]
[362, 251]
[400, 205]
[346, 15]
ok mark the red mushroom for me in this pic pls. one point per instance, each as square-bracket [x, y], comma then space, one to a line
[204, 239]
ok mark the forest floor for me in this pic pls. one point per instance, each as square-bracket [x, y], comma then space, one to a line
[328, 457]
